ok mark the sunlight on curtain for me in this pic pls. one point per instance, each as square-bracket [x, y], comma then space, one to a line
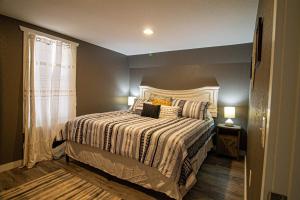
[49, 93]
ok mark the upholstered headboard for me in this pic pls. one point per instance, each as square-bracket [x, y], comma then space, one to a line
[209, 94]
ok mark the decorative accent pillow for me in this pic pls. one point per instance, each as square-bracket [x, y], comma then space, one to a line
[137, 106]
[150, 110]
[192, 109]
[170, 112]
[160, 100]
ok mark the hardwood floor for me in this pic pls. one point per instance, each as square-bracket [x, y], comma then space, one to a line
[219, 178]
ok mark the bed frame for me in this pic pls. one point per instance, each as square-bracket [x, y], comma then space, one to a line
[136, 172]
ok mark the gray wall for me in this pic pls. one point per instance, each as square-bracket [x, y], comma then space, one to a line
[102, 79]
[229, 65]
[102, 83]
[213, 55]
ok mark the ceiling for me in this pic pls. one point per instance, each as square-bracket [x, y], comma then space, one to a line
[118, 24]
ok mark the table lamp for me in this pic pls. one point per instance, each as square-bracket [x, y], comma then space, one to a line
[131, 100]
[229, 112]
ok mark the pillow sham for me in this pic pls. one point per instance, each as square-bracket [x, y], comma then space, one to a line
[169, 112]
[192, 109]
[160, 100]
[150, 110]
[180, 103]
[137, 106]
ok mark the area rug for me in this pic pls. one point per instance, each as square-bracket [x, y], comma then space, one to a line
[58, 185]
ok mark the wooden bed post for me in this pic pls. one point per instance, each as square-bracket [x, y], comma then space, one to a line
[67, 158]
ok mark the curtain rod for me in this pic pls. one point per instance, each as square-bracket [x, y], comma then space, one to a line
[25, 29]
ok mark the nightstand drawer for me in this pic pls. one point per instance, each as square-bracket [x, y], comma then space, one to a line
[229, 132]
[228, 145]
[228, 140]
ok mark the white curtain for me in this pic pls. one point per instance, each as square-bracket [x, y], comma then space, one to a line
[49, 72]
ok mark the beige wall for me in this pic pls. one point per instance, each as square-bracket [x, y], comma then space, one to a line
[102, 83]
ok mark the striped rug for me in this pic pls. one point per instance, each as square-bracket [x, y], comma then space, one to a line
[57, 185]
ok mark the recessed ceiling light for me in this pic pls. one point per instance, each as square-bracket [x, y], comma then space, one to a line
[148, 31]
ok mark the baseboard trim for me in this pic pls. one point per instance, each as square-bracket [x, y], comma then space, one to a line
[11, 165]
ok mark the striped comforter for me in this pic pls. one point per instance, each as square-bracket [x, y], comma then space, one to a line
[166, 144]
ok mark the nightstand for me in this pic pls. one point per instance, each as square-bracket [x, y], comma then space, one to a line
[228, 140]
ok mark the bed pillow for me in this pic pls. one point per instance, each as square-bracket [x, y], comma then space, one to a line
[150, 110]
[191, 109]
[137, 106]
[169, 112]
[160, 100]
[180, 103]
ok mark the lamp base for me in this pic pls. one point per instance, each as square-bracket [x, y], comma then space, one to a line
[229, 122]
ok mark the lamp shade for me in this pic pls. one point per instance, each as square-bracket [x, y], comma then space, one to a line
[229, 112]
[131, 100]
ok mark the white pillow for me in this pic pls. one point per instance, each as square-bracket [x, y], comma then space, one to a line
[137, 107]
[170, 112]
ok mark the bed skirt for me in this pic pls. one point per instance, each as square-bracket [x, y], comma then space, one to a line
[134, 171]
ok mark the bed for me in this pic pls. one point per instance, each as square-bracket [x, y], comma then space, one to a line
[160, 154]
